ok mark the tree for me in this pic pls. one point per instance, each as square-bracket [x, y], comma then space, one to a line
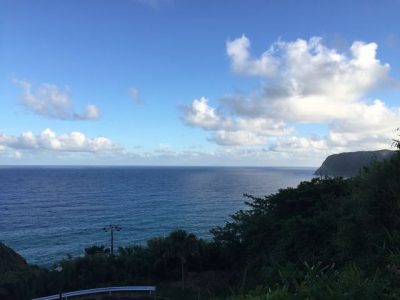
[396, 142]
[182, 246]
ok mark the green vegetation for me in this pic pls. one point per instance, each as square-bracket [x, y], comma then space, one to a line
[329, 238]
[10, 260]
[350, 163]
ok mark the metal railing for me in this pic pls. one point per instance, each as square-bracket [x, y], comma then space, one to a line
[147, 289]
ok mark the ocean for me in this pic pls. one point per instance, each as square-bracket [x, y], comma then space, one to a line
[48, 213]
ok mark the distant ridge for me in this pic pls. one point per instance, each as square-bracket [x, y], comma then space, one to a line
[350, 163]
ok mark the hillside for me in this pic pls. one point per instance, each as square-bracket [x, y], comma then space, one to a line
[350, 163]
[10, 260]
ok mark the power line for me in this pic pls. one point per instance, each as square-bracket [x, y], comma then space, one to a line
[111, 228]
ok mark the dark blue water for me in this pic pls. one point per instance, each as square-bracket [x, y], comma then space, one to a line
[47, 213]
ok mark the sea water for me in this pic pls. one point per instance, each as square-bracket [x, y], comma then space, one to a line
[48, 213]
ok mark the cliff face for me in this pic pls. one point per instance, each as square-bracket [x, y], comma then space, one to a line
[10, 260]
[350, 163]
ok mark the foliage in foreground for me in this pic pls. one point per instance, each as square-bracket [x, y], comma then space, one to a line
[329, 238]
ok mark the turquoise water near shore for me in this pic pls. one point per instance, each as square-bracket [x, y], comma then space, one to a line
[47, 213]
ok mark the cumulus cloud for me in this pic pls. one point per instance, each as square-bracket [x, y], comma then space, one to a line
[313, 82]
[48, 140]
[238, 51]
[202, 115]
[303, 82]
[232, 131]
[372, 125]
[53, 102]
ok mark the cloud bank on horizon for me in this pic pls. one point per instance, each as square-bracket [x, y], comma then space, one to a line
[48, 140]
[303, 82]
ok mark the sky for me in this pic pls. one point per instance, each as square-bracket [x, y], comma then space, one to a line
[184, 82]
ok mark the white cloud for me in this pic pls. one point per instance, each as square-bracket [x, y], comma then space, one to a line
[370, 126]
[238, 51]
[313, 83]
[17, 154]
[226, 156]
[202, 115]
[239, 137]
[300, 144]
[303, 81]
[48, 140]
[49, 147]
[91, 112]
[50, 101]
[232, 131]
[134, 93]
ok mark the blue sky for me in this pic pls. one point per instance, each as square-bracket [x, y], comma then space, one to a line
[201, 88]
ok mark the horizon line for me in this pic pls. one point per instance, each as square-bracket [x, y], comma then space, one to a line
[159, 166]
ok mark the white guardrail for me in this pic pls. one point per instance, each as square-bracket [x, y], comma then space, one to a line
[149, 289]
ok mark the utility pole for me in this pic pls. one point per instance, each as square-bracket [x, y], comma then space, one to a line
[111, 229]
